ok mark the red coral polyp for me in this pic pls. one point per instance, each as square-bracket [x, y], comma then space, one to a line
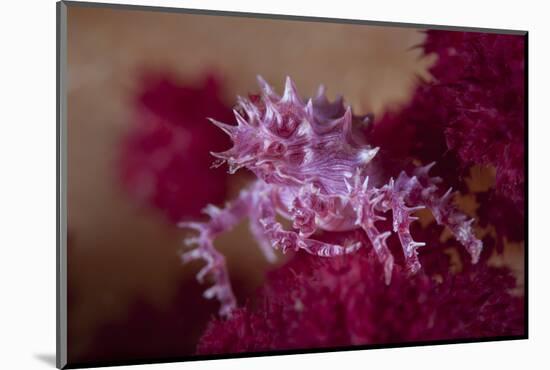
[480, 85]
[342, 301]
[169, 142]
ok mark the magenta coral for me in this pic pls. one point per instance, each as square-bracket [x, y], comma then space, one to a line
[480, 79]
[314, 172]
[472, 113]
[320, 303]
[475, 106]
[169, 143]
[480, 90]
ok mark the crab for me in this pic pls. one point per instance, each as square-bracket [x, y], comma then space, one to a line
[312, 171]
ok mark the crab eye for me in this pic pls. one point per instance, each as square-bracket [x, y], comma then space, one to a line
[276, 148]
[288, 126]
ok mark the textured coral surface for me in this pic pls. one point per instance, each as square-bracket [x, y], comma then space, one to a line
[471, 113]
[476, 103]
[343, 301]
[486, 100]
[170, 142]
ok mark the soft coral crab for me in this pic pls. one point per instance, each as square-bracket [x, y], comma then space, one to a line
[312, 171]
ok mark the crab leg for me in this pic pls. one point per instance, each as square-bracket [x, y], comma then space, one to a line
[221, 220]
[291, 240]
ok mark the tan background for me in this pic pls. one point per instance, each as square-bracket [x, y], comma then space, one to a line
[121, 252]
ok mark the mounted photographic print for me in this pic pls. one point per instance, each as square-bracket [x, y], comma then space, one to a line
[236, 184]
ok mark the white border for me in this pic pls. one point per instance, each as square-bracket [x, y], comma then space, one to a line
[27, 153]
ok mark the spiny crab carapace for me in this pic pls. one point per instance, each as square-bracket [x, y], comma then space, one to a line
[312, 171]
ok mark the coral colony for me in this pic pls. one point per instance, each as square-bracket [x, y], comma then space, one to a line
[312, 170]
[312, 302]
[158, 156]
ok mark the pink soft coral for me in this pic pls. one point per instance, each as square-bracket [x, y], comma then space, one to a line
[313, 171]
[480, 90]
[170, 142]
[472, 113]
[323, 303]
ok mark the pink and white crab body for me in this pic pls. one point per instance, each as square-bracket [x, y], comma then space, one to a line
[312, 171]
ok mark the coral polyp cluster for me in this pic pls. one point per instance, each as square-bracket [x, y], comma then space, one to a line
[168, 142]
[312, 170]
[331, 303]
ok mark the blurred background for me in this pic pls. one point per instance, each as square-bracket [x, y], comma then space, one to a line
[129, 72]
